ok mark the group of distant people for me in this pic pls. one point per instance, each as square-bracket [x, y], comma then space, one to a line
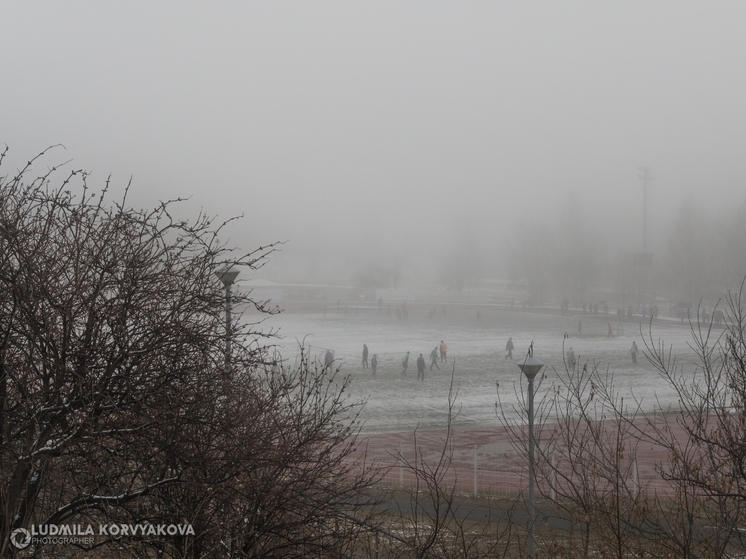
[329, 360]
[644, 312]
[571, 360]
[439, 354]
[439, 350]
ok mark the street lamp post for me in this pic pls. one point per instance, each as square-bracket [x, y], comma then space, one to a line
[227, 275]
[531, 367]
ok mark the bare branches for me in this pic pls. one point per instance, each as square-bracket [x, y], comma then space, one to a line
[433, 520]
[115, 402]
[590, 437]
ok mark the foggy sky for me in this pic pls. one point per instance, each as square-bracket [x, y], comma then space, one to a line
[377, 127]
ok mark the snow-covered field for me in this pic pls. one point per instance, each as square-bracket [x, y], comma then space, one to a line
[476, 346]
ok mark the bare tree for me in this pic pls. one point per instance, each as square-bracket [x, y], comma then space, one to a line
[704, 436]
[274, 475]
[116, 403]
[530, 260]
[588, 437]
[578, 253]
[434, 519]
[692, 254]
[587, 442]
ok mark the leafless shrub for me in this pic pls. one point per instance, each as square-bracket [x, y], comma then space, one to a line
[116, 402]
[433, 520]
[589, 438]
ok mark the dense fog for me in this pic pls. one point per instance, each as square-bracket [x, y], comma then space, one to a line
[424, 145]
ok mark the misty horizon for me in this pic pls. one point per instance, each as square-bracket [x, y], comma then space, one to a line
[369, 132]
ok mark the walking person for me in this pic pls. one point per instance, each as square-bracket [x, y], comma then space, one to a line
[443, 350]
[421, 368]
[374, 365]
[633, 352]
[404, 364]
[611, 332]
[509, 349]
[365, 356]
[434, 358]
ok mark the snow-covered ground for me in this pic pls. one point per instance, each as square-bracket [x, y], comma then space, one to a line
[476, 346]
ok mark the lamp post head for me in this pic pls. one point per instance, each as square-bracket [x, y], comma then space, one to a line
[530, 367]
[227, 274]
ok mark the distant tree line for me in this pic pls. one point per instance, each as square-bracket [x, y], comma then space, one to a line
[703, 258]
[575, 258]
